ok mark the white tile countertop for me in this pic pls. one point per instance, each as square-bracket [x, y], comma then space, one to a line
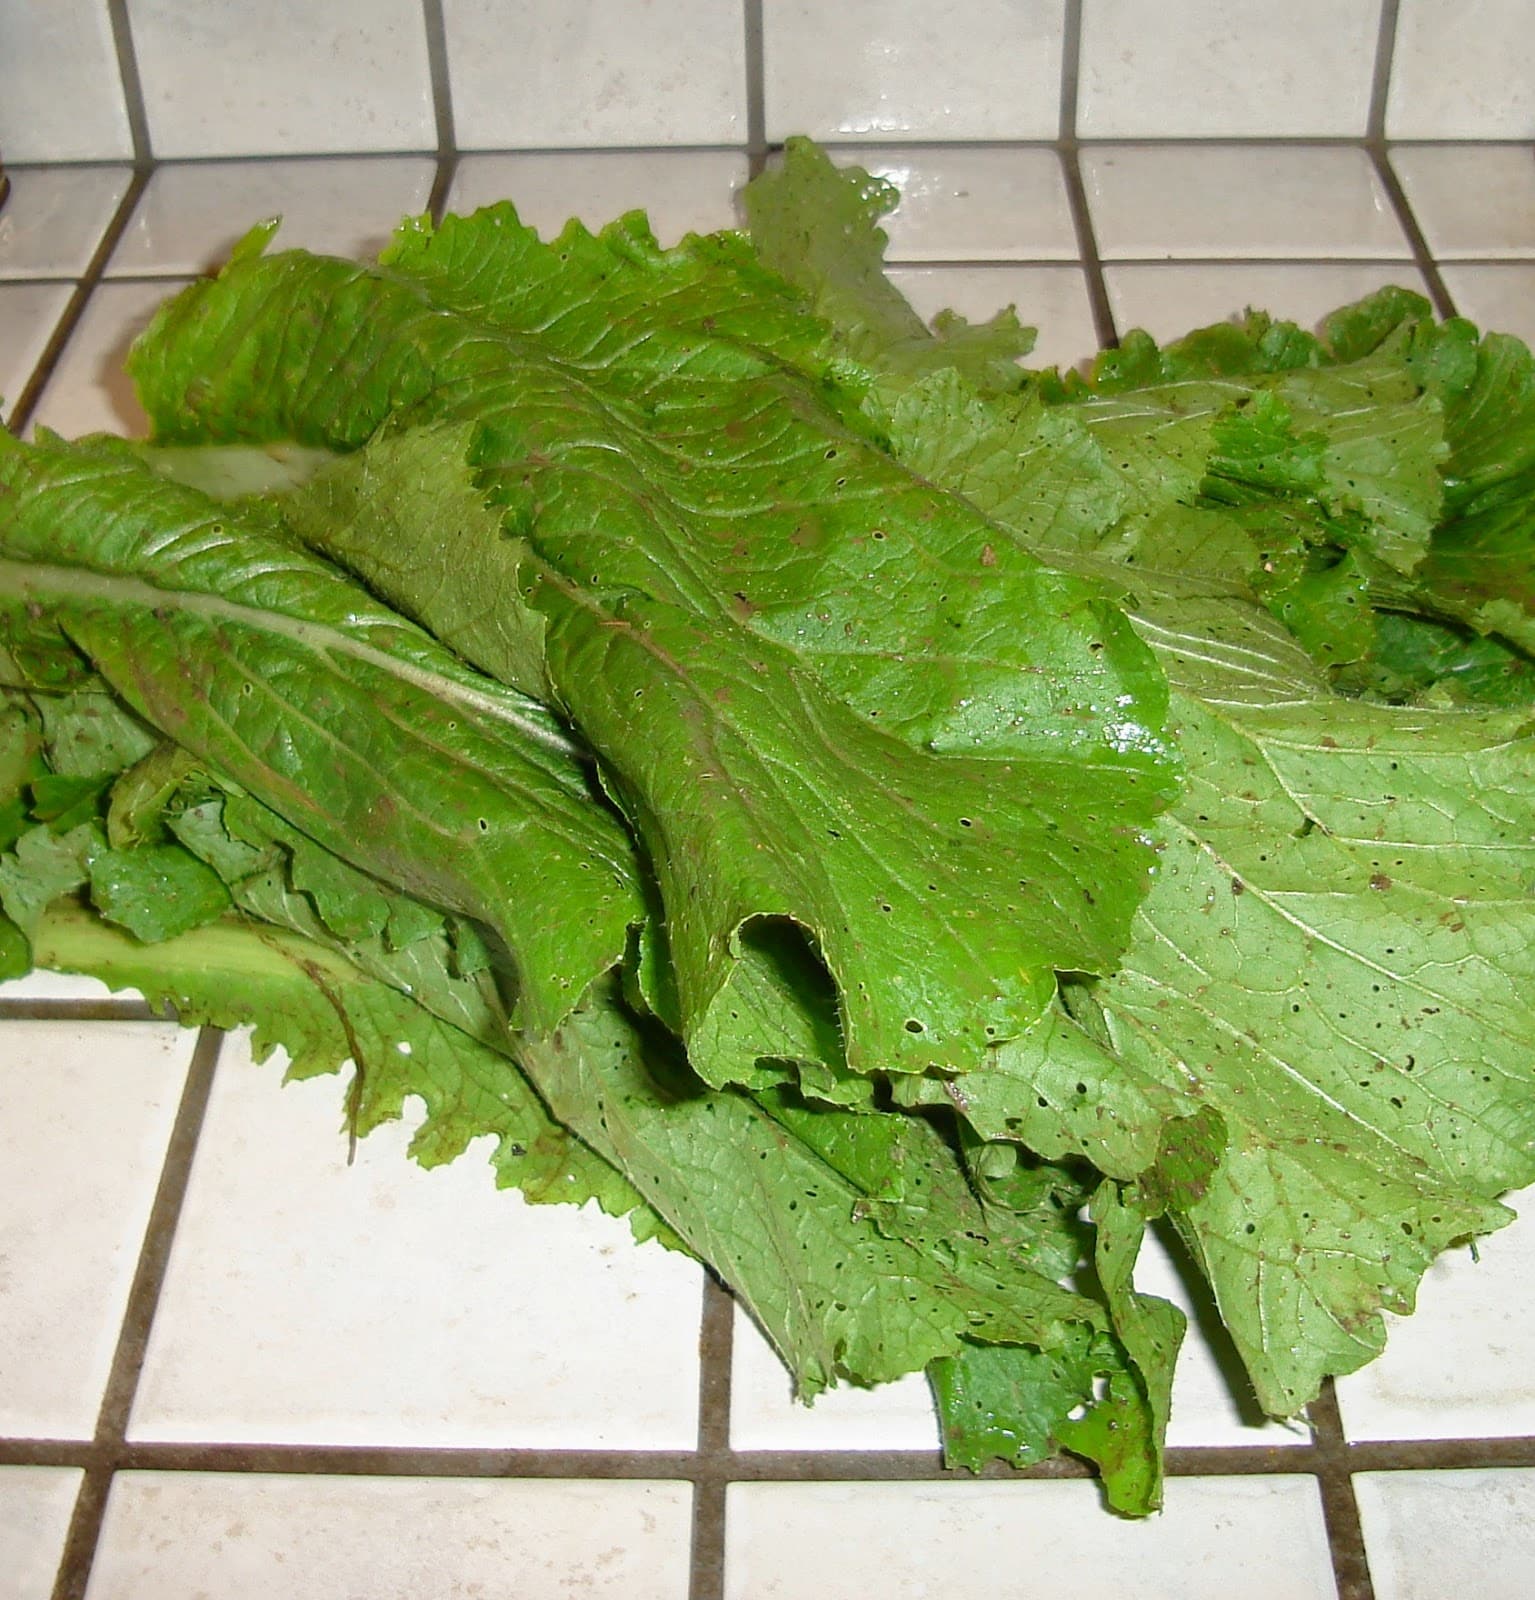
[232, 1364]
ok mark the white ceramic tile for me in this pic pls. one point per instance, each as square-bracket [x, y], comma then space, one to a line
[1166, 201]
[1433, 1534]
[966, 204]
[1260, 1537]
[1463, 69]
[61, 98]
[221, 79]
[29, 312]
[684, 191]
[85, 1112]
[248, 1536]
[1213, 1402]
[1471, 200]
[89, 392]
[192, 214]
[1052, 299]
[54, 219]
[595, 72]
[383, 1304]
[906, 69]
[764, 1415]
[35, 1506]
[1170, 300]
[1500, 295]
[1214, 68]
[1463, 1365]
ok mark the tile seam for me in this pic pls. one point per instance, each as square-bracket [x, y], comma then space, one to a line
[1340, 1509]
[107, 1444]
[131, 81]
[754, 58]
[1444, 302]
[69, 318]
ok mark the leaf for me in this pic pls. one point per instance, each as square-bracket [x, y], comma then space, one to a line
[818, 226]
[156, 891]
[837, 1295]
[687, 644]
[356, 727]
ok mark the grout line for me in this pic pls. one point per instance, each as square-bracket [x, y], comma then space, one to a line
[83, 1010]
[442, 185]
[1087, 242]
[756, 87]
[746, 1466]
[1345, 1536]
[442, 107]
[442, 78]
[128, 1359]
[132, 83]
[712, 1474]
[1067, 148]
[1071, 71]
[1444, 302]
[32, 389]
[1385, 59]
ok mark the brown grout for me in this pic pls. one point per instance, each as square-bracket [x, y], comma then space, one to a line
[122, 1383]
[435, 28]
[711, 1474]
[1345, 1536]
[756, 87]
[82, 1011]
[69, 320]
[1071, 172]
[1444, 302]
[1380, 82]
[121, 24]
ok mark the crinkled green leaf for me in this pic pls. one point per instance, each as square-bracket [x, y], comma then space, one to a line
[156, 891]
[44, 865]
[818, 226]
[356, 727]
[736, 590]
[838, 1295]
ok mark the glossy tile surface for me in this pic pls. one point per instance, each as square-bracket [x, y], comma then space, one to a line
[29, 312]
[1463, 69]
[192, 214]
[1471, 200]
[35, 1506]
[382, 1304]
[61, 96]
[1498, 295]
[904, 69]
[683, 191]
[89, 392]
[764, 1415]
[1436, 1534]
[595, 72]
[55, 218]
[246, 1536]
[1172, 299]
[966, 204]
[85, 1113]
[1151, 201]
[1051, 299]
[1222, 68]
[1260, 1537]
[348, 75]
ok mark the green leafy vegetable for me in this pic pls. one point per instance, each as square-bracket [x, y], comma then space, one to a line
[889, 822]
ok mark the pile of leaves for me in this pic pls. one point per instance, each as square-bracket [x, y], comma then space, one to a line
[891, 822]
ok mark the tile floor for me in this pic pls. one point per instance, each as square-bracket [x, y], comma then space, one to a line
[231, 1364]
